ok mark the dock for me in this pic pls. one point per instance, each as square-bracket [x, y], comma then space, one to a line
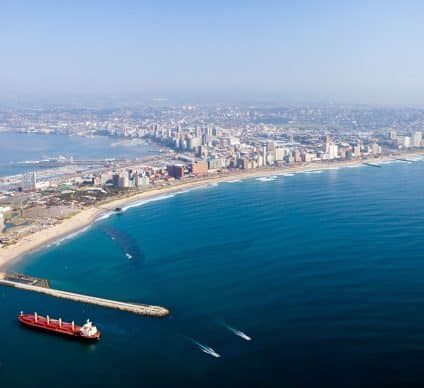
[135, 308]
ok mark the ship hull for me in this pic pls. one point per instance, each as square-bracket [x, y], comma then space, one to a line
[54, 327]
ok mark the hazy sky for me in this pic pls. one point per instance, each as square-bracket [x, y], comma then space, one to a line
[347, 51]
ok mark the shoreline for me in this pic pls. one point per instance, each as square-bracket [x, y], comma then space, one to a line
[87, 217]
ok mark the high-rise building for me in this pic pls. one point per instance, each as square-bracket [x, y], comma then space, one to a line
[297, 156]
[407, 142]
[357, 150]
[333, 151]
[29, 182]
[417, 138]
[175, 170]
[115, 180]
[375, 148]
[141, 180]
[123, 181]
[279, 154]
[265, 154]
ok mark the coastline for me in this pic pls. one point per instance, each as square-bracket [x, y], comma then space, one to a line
[87, 217]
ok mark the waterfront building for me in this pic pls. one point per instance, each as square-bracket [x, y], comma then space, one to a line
[297, 156]
[244, 163]
[123, 181]
[308, 157]
[199, 168]
[357, 150]
[330, 149]
[141, 180]
[115, 180]
[417, 138]
[280, 153]
[375, 148]
[175, 170]
[265, 154]
[260, 161]
[406, 142]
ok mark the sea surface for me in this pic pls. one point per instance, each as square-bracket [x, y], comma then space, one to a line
[324, 271]
[19, 147]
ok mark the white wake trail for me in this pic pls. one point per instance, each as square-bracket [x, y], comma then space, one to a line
[237, 332]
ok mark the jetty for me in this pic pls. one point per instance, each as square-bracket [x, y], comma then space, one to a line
[404, 160]
[9, 280]
[373, 165]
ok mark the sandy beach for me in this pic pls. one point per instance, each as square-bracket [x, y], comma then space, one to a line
[87, 217]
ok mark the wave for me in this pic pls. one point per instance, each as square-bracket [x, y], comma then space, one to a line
[145, 201]
[267, 178]
[104, 216]
[67, 237]
[334, 168]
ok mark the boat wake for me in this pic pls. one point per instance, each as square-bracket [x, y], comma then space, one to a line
[238, 333]
[205, 349]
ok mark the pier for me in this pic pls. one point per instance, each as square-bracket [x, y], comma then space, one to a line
[135, 308]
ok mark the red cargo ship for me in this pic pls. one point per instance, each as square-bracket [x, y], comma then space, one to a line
[86, 332]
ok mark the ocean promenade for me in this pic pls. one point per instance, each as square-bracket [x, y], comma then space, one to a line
[139, 309]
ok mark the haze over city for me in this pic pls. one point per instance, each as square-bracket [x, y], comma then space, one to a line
[248, 51]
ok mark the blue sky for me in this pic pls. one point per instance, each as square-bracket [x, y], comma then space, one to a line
[342, 51]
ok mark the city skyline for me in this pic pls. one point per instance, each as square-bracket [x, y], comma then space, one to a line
[233, 51]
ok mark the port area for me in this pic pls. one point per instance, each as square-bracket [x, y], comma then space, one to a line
[28, 283]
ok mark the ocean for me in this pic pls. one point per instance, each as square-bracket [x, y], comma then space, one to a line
[323, 271]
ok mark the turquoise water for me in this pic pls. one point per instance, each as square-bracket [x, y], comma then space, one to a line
[323, 270]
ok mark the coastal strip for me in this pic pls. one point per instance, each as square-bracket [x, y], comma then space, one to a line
[139, 309]
[88, 216]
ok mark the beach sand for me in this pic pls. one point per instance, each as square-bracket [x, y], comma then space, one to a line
[87, 217]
